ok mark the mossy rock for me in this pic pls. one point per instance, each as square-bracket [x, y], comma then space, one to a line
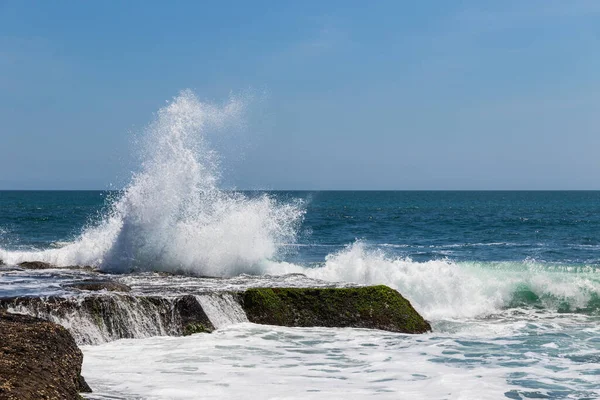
[191, 329]
[373, 307]
[192, 317]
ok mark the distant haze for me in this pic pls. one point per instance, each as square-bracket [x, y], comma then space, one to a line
[341, 94]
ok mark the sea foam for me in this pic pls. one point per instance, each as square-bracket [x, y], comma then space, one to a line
[173, 215]
[445, 289]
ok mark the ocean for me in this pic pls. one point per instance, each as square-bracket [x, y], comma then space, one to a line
[510, 280]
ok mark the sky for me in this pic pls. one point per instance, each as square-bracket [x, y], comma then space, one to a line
[391, 95]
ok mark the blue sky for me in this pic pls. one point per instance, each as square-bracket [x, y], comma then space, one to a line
[353, 95]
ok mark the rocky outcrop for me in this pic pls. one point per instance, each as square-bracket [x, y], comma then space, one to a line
[192, 317]
[38, 360]
[374, 307]
[97, 285]
[45, 265]
[36, 265]
[101, 317]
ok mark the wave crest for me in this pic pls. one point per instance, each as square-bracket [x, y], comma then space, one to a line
[443, 289]
[173, 215]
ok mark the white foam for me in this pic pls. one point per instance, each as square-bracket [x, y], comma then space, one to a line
[173, 216]
[247, 360]
[442, 289]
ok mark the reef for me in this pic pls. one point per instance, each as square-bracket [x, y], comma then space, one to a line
[38, 360]
[372, 307]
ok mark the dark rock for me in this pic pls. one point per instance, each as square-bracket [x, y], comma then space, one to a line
[38, 360]
[83, 385]
[36, 265]
[45, 265]
[97, 317]
[374, 307]
[96, 285]
[2, 262]
[117, 316]
[193, 318]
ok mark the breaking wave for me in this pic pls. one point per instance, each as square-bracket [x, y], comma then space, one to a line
[173, 215]
[443, 289]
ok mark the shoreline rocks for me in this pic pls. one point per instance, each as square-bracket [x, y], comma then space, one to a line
[94, 318]
[36, 265]
[371, 307]
[38, 360]
[40, 265]
[103, 317]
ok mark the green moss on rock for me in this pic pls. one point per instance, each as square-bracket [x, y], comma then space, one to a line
[191, 329]
[374, 307]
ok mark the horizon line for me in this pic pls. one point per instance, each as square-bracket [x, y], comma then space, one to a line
[324, 190]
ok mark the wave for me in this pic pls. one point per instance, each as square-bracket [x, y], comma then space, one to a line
[442, 289]
[172, 215]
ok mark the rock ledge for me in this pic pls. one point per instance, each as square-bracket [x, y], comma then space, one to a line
[373, 307]
[38, 360]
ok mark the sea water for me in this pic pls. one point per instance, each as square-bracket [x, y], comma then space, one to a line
[509, 280]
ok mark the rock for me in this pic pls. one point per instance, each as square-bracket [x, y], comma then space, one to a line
[2, 262]
[98, 317]
[45, 265]
[374, 307]
[192, 316]
[36, 265]
[83, 385]
[38, 360]
[94, 318]
[96, 285]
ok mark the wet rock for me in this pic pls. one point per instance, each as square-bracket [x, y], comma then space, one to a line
[373, 307]
[36, 265]
[192, 315]
[45, 265]
[38, 360]
[97, 318]
[94, 318]
[97, 285]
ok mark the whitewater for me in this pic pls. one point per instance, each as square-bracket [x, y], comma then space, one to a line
[509, 281]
